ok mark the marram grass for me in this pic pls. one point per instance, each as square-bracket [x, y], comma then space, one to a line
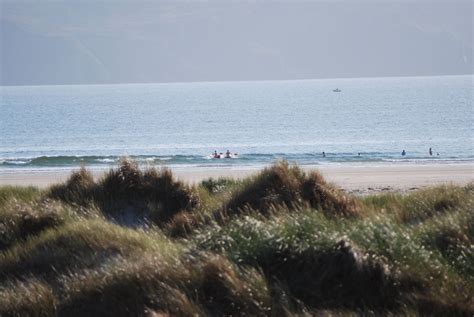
[281, 243]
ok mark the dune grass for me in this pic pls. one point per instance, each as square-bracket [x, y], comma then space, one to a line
[27, 298]
[127, 192]
[280, 243]
[24, 194]
[19, 220]
[287, 186]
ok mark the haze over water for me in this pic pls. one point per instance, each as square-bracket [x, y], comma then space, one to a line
[180, 124]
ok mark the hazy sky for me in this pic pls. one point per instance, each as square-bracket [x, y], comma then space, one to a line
[74, 41]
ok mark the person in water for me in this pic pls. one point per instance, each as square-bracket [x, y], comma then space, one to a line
[324, 154]
[227, 154]
[216, 155]
[404, 153]
[431, 152]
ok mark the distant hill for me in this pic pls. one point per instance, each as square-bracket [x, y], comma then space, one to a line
[65, 42]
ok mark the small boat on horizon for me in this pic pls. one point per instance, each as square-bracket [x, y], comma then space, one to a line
[337, 90]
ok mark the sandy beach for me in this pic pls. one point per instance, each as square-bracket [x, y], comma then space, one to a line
[357, 179]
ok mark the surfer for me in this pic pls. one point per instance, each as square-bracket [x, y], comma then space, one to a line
[404, 153]
[227, 154]
[324, 154]
[215, 155]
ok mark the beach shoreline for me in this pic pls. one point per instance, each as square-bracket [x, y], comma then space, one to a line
[352, 178]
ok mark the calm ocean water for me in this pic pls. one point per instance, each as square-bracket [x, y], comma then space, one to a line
[180, 124]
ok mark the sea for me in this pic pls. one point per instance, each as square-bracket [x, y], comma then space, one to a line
[370, 121]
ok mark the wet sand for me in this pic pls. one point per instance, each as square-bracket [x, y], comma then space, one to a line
[357, 179]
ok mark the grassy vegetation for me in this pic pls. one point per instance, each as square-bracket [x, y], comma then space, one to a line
[281, 243]
[7, 193]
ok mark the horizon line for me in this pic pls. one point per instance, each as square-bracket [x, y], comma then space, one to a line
[233, 81]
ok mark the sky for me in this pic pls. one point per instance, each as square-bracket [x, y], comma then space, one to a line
[97, 42]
